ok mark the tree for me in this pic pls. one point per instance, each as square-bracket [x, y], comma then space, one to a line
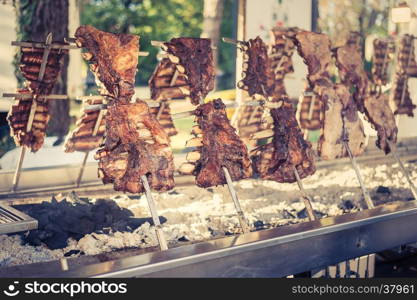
[36, 18]
[213, 12]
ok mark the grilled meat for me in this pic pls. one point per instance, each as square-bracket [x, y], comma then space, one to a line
[341, 124]
[288, 149]
[350, 65]
[29, 130]
[406, 66]
[310, 111]
[314, 48]
[113, 59]
[135, 145]
[88, 134]
[384, 50]
[18, 118]
[167, 82]
[193, 58]
[257, 76]
[216, 146]
[380, 115]
[163, 115]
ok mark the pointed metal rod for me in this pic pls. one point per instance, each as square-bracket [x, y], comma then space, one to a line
[365, 192]
[241, 216]
[152, 208]
[306, 198]
[18, 168]
[394, 152]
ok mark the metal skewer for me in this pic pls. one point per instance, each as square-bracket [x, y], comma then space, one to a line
[306, 198]
[28, 96]
[233, 194]
[365, 192]
[158, 227]
[393, 148]
[32, 112]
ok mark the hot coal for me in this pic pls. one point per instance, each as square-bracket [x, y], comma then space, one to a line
[59, 221]
[383, 190]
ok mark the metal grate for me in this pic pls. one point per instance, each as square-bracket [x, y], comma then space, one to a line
[12, 220]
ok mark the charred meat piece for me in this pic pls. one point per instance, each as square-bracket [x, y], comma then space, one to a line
[384, 50]
[400, 98]
[135, 145]
[113, 59]
[350, 64]
[341, 123]
[30, 66]
[314, 48]
[88, 134]
[257, 76]
[380, 115]
[163, 115]
[281, 52]
[167, 82]
[310, 112]
[193, 58]
[406, 66]
[217, 146]
[18, 119]
[288, 149]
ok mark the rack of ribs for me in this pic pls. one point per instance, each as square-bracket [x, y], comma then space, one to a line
[166, 83]
[384, 50]
[113, 59]
[216, 146]
[19, 116]
[135, 145]
[257, 74]
[288, 149]
[406, 67]
[310, 111]
[341, 121]
[88, 134]
[193, 58]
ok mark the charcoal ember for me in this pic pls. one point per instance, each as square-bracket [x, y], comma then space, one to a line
[73, 252]
[136, 145]
[217, 145]
[18, 118]
[383, 190]
[258, 74]
[384, 50]
[58, 221]
[194, 60]
[82, 138]
[113, 59]
[347, 205]
[288, 149]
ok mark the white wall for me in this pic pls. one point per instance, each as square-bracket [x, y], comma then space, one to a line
[262, 15]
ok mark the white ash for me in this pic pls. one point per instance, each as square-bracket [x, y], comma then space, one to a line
[197, 214]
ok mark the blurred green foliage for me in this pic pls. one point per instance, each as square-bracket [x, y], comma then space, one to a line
[156, 20]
